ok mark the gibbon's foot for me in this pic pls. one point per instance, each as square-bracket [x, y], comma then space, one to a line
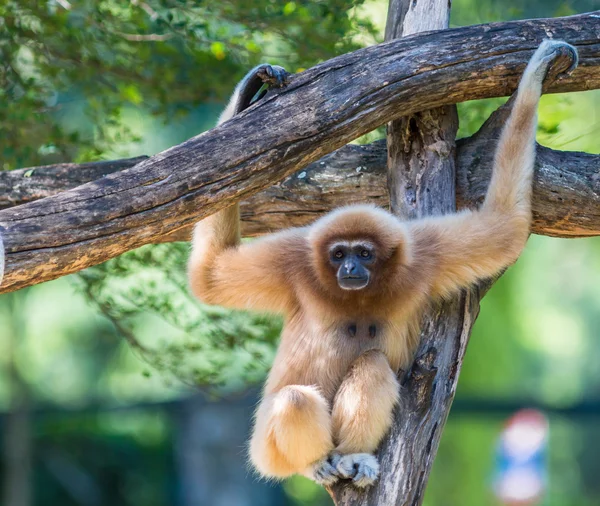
[553, 50]
[361, 468]
[324, 471]
[252, 88]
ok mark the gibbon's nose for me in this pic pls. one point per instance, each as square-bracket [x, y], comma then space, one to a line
[350, 267]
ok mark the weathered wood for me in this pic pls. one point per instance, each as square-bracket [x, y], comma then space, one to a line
[421, 180]
[421, 147]
[26, 185]
[566, 192]
[332, 104]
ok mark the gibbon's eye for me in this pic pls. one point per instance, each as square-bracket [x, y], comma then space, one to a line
[365, 253]
[338, 254]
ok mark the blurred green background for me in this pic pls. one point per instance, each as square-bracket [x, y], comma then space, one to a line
[117, 388]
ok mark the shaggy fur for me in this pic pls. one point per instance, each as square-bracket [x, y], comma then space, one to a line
[329, 397]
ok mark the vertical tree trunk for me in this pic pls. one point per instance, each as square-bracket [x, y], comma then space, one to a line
[421, 179]
[422, 147]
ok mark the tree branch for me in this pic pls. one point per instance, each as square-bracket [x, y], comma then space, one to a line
[333, 103]
[21, 186]
[566, 193]
[566, 186]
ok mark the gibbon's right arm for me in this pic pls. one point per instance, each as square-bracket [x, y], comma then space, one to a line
[223, 271]
[459, 249]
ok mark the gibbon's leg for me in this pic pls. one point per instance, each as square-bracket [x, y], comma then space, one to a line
[362, 414]
[292, 433]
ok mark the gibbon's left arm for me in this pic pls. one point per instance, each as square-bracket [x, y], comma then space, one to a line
[224, 272]
[459, 249]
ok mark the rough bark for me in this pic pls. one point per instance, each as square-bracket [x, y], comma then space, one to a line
[421, 180]
[421, 147]
[333, 103]
[21, 186]
[566, 193]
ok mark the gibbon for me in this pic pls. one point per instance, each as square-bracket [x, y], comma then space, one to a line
[352, 287]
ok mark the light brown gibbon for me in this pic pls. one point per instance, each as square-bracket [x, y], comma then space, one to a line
[352, 287]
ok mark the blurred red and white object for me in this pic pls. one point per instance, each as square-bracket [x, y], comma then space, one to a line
[521, 459]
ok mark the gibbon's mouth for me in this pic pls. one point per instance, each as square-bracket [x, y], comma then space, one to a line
[353, 282]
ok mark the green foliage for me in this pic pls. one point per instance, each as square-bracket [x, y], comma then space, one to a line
[71, 73]
[301, 491]
[90, 80]
[471, 12]
[69, 70]
[145, 294]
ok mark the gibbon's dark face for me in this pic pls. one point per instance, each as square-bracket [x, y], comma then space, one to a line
[353, 261]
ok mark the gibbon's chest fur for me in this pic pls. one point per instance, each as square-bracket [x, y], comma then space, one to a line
[329, 327]
[323, 334]
[315, 353]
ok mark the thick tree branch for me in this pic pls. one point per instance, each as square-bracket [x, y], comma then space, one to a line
[21, 186]
[333, 103]
[566, 187]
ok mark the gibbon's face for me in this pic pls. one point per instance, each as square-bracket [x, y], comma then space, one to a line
[353, 261]
[356, 252]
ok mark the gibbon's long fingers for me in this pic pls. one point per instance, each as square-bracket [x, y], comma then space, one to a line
[361, 468]
[248, 87]
[324, 472]
[363, 405]
[292, 431]
[539, 65]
